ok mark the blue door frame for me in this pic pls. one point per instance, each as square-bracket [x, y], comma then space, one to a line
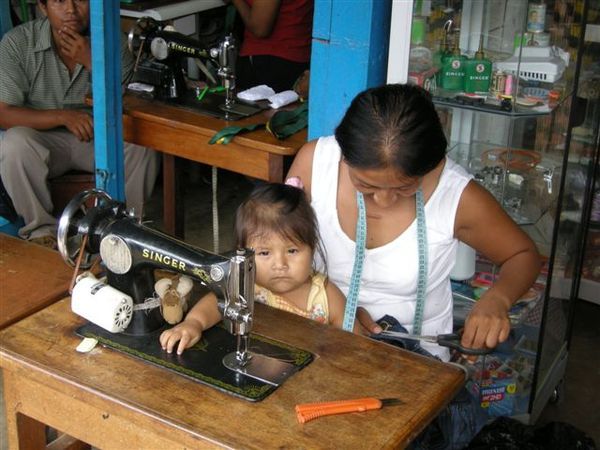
[106, 91]
[349, 54]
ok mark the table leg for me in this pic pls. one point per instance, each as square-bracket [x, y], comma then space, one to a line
[30, 433]
[173, 205]
[23, 431]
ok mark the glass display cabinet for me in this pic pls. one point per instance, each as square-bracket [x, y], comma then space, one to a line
[585, 142]
[503, 75]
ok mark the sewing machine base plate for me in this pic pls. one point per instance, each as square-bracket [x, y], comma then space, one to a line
[213, 104]
[204, 361]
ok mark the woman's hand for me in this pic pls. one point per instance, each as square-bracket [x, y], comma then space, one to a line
[366, 325]
[488, 323]
[187, 333]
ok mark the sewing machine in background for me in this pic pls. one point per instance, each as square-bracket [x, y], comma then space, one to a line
[124, 317]
[160, 52]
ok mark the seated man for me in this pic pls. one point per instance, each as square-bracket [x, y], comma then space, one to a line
[44, 77]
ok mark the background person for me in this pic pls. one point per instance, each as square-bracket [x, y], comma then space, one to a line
[276, 45]
[44, 78]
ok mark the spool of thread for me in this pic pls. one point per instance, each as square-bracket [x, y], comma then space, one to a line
[418, 31]
[508, 84]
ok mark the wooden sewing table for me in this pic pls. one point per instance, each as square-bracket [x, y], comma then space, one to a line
[178, 132]
[31, 278]
[113, 401]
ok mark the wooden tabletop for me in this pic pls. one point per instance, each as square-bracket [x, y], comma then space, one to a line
[187, 120]
[31, 277]
[112, 400]
[185, 133]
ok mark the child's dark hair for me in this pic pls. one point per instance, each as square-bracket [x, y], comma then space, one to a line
[278, 208]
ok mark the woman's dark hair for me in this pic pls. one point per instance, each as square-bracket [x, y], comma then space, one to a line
[278, 208]
[394, 125]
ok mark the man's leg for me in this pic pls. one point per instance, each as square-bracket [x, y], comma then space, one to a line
[28, 158]
[141, 170]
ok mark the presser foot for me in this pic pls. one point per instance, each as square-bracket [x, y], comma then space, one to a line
[261, 367]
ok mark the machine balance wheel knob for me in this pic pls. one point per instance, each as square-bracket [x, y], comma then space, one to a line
[68, 238]
[139, 32]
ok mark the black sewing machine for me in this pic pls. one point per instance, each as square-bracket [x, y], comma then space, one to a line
[159, 52]
[131, 252]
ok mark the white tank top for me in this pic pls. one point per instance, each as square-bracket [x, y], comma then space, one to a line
[389, 279]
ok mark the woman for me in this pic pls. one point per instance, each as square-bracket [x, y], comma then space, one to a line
[276, 46]
[389, 155]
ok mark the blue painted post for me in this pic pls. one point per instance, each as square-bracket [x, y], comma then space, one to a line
[106, 90]
[5, 20]
[349, 54]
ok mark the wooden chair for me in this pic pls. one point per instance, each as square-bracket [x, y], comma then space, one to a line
[67, 186]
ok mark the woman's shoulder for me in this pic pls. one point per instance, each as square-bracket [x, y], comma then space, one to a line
[453, 177]
[315, 153]
[455, 170]
[308, 150]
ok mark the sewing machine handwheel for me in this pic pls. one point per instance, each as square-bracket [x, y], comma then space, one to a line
[68, 238]
[137, 35]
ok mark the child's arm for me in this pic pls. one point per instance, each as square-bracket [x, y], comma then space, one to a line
[337, 304]
[201, 317]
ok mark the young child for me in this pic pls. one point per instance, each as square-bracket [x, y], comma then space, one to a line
[280, 225]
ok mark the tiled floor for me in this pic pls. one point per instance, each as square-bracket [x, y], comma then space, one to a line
[580, 401]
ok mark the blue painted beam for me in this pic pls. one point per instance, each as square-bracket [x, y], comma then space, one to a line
[349, 54]
[5, 20]
[106, 90]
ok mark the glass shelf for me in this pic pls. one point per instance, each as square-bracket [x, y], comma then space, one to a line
[493, 105]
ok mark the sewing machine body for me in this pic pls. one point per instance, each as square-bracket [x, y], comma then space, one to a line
[131, 252]
[160, 52]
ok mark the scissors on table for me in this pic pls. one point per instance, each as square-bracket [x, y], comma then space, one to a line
[451, 340]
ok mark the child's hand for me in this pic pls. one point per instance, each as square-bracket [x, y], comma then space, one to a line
[488, 323]
[187, 333]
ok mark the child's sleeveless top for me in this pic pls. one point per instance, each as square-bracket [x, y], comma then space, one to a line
[317, 307]
[389, 279]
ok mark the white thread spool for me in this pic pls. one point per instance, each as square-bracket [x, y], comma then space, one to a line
[101, 304]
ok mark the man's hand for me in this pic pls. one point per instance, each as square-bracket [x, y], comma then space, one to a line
[76, 47]
[79, 123]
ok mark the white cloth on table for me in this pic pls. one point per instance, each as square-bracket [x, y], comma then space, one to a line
[282, 99]
[256, 93]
